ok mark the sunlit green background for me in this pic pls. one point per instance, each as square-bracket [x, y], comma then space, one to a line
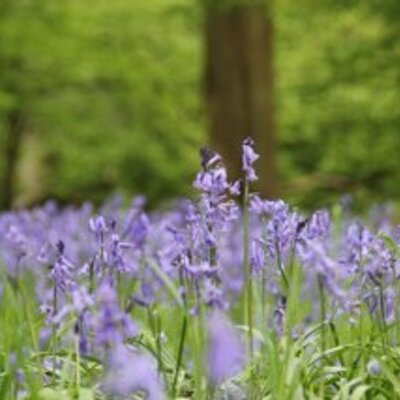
[111, 95]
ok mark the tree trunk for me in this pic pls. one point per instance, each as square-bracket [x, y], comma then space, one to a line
[13, 140]
[240, 92]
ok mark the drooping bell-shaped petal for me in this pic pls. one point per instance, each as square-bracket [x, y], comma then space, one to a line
[249, 157]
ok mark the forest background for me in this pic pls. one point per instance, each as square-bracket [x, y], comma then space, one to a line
[100, 97]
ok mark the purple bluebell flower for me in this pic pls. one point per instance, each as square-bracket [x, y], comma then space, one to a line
[212, 295]
[209, 158]
[390, 297]
[202, 269]
[146, 297]
[359, 241]
[99, 226]
[236, 188]
[314, 256]
[213, 214]
[47, 254]
[249, 157]
[226, 352]
[81, 299]
[278, 236]
[257, 255]
[62, 270]
[280, 316]
[374, 367]
[16, 248]
[111, 325]
[319, 225]
[213, 181]
[129, 372]
[268, 208]
[116, 253]
[137, 224]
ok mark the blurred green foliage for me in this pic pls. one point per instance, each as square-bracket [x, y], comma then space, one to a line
[112, 95]
[110, 91]
[339, 96]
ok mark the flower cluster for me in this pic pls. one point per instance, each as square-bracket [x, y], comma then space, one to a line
[118, 281]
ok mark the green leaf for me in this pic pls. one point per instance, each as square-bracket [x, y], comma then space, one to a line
[359, 392]
[86, 394]
[390, 243]
[166, 280]
[51, 394]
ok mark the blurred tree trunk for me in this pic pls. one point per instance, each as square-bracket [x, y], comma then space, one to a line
[13, 139]
[240, 87]
[29, 171]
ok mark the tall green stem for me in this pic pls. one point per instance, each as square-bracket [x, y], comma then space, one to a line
[180, 353]
[248, 295]
[323, 321]
[77, 366]
[322, 311]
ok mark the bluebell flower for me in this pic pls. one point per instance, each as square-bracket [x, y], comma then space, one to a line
[137, 224]
[129, 372]
[99, 226]
[212, 295]
[226, 352]
[373, 367]
[249, 157]
[111, 325]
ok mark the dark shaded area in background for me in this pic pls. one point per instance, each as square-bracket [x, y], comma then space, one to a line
[112, 97]
[239, 80]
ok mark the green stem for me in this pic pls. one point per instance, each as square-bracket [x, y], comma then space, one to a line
[77, 365]
[248, 295]
[382, 318]
[263, 295]
[322, 311]
[279, 262]
[158, 326]
[180, 353]
[155, 327]
[323, 319]
[53, 329]
[199, 348]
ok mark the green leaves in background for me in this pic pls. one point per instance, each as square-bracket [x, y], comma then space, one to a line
[112, 97]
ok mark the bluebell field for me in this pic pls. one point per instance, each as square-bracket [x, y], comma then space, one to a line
[227, 296]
